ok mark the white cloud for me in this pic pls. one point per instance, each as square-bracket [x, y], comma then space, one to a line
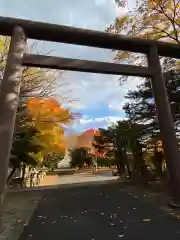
[76, 104]
[95, 89]
[85, 121]
[107, 120]
[91, 90]
[114, 119]
[100, 2]
[116, 107]
[86, 89]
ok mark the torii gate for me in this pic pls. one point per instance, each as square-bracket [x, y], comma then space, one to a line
[20, 30]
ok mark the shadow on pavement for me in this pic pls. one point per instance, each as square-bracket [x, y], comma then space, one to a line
[98, 212]
[62, 172]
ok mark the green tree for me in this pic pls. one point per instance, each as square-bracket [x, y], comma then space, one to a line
[79, 156]
[129, 140]
[119, 142]
[22, 149]
[140, 106]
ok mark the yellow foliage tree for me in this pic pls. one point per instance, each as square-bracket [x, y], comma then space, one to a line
[152, 19]
[49, 118]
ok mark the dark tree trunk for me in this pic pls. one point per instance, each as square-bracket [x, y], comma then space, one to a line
[23, 171]
[140, 168]
[158, 160]
[127, 164]
[120, 162]
[9, 178]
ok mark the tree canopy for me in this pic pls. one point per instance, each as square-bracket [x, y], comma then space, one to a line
[152, 19]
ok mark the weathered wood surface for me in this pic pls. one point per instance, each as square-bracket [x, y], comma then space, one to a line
[78, 36]
[85, 66]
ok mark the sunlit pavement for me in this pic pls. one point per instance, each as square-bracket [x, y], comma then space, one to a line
[98, 212]
[80, 177]
[86, 177]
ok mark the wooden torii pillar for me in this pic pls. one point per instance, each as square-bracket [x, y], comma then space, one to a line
[9, 98]
[171, 146]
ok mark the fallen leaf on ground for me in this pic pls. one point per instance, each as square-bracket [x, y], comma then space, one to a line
[112, 224]
[120, 235]
[19, 221]
[172, 214]
[147, 220]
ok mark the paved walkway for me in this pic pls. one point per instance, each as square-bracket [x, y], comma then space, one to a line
[98, 212]
[84, 176]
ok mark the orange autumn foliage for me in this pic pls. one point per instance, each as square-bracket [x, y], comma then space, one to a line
[48, 111]
[86, 138]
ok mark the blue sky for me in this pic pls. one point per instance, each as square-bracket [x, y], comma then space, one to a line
[99, 98]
